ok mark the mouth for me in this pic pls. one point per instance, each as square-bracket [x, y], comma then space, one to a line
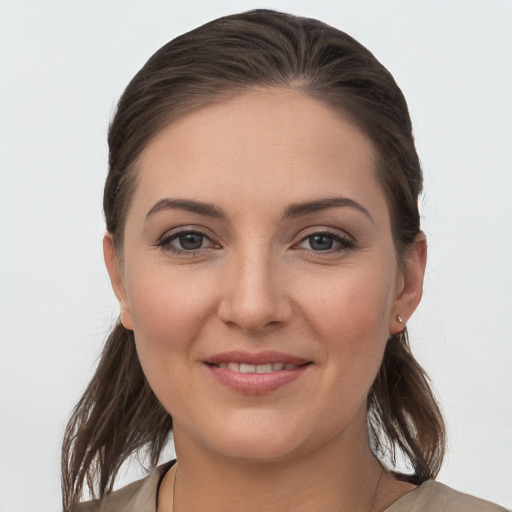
[256, 368]
[256, 374]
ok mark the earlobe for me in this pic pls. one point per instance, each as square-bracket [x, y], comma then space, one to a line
[116, 279]
[411, 284]
[126, 320]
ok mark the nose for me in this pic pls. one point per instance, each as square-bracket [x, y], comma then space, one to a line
[255, 297]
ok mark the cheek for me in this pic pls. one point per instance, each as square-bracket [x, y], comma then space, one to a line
[349, 317]
[168, 315]
[353, 307]
[167, 308]
[169, 312]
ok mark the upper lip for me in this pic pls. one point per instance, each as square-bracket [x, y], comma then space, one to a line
[265, 357]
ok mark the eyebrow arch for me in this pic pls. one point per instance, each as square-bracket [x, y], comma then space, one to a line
[292, 211]
[298, 209]
[190, 205]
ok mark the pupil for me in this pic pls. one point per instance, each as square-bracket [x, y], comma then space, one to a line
[321, 242]
[191, 241]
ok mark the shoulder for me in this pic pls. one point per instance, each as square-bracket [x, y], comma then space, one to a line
[139, 496]
[432, 496]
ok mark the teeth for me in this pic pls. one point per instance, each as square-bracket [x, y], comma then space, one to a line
[247, 368]
[259, 368]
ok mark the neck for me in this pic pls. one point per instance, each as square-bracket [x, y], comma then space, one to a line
[341, 476]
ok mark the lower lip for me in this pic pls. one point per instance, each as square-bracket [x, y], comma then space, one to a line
[256, 383]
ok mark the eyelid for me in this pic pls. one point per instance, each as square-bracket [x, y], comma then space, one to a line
[347, 241]
[318, 230]
[172, 234]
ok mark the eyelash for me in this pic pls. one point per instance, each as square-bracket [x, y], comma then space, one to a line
[346, 244]
[168, 238]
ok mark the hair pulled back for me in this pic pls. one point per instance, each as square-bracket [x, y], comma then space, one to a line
[118, 415]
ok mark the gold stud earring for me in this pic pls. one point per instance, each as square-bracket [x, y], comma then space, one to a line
[400, 319]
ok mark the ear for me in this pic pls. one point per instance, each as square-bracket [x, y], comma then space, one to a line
[410, 284]
[116, 279]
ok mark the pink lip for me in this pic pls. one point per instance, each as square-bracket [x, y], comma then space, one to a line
[256, 383]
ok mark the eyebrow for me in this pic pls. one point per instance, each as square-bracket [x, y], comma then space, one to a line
[190, 205]
[292, 211]
[298, 209]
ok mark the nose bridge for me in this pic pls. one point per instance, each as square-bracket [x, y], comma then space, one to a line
[254, 297]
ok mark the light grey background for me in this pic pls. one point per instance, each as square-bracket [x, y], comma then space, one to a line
[63, 64]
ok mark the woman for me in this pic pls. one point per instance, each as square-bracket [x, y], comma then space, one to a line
[263, 241]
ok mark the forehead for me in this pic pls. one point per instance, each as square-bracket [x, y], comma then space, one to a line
[270, 145]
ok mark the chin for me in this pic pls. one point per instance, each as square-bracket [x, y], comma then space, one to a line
[253, 437]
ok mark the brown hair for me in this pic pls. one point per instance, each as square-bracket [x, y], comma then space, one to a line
[119, 415]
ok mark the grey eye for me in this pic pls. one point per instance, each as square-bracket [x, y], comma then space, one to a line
[326, 242]
[186, 242]
[320, 242]
[191, 241]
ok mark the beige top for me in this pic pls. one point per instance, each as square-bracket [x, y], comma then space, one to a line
[431, 496]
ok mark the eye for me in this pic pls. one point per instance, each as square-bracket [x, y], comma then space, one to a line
[186, 241]
[326, 242]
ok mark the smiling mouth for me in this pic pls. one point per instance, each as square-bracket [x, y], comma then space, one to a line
[257, 368]
[256, 379]
[256, 373]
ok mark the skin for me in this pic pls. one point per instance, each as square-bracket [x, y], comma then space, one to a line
[259, 282]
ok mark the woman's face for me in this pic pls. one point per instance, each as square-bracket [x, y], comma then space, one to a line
[259, 275]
